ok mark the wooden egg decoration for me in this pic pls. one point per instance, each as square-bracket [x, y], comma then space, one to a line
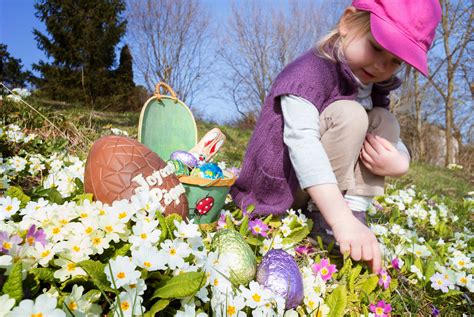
[114, 161]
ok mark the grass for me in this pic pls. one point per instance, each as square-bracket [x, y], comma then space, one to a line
[92, 125]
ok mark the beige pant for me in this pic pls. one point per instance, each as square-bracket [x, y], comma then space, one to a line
[343, 127]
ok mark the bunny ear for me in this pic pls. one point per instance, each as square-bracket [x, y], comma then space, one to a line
[209, 144]
[216, 147]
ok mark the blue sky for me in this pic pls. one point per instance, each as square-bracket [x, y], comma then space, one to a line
[17, 21]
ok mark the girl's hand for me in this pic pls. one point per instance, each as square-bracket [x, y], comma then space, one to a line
[359, 241]
[382, 158]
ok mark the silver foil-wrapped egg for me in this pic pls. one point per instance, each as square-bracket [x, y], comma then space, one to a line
[236, 256]
[279, 272]
[185, 157]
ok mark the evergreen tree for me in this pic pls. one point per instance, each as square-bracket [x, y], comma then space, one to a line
[10, 70]
[125, 85]
[81, 44]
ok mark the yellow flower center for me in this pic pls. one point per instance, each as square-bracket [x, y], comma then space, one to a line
[379, 311]
[125, 305]
[172, 251]
[439, 282]
[108, 228]
[37, 315]
[9, 208]
[30, 240]
[324, 271]
[56, 230]
[71, 266]
[461, 263]
[45, 253]
[143, 236]
[257, 229]
[231, 310]
[256, 297]
[102, 212]
[72, 305]
[216, 282]
[96, 241]
[89, 230]
[76, 248]
[463, 280]
[121, 275]
[84, 215]
[122, 215]
[7, 245]
[63, 221]
[146, 264]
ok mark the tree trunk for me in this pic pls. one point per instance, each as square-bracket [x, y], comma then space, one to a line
[419, 120]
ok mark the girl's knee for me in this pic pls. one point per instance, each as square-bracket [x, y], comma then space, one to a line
[347, 115]
[384, 123]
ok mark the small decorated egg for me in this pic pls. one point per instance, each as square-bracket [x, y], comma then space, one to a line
[185, 157]
[179, 167]
[208, 170]
[235, 255]
[279, 272]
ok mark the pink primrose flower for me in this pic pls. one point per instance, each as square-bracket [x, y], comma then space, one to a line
[382, 309]
[325, 269]
[258, 227]
[384, 279]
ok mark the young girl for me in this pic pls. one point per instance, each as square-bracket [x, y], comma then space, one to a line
[325, 131]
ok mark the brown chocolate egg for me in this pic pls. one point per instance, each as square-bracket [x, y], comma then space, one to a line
[114, 161]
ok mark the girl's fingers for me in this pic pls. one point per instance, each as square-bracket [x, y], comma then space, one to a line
[367, 146]
[366, 157]
[384, 142]
[377, 258]
[356, 252]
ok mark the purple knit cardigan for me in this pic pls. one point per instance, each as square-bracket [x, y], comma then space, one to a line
[267, 180]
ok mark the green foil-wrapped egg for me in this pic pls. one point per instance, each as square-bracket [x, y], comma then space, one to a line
[179, 167]
[236, 255]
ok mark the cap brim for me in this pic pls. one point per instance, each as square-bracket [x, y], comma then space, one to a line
[397, 43]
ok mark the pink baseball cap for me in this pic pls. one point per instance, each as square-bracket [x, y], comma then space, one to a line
[405, 28]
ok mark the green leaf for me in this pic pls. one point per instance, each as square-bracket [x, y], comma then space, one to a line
[83, 197]
[162, 224]
[452, 292]
[93, 295]
[337, 301]
[95, 270]
[346, 268]
[13, 286]
[157, 307]
[181, 286]
[170, 222]
[370, 284]
[17, 192]
[253, 241]
[250, 208]
[51, 194]
[44, 274]
[429, 270]
[76, 280]
[296, 235]
[79, 184]
[122, 251]
[355, 272]
[244, 226]
[229, 222]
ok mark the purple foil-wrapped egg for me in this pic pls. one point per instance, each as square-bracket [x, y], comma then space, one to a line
[184, 157]
[279, 272]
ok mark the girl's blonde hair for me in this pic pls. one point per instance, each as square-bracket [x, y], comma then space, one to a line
[330, 46]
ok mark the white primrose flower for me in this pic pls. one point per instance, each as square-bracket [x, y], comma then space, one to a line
[121, 271]
[78, 248]
[462, 279]
[174, 252]
[285, 230]
[67, 269]
[8, 207]
[417, 271]
[127, 304]
[34, 207]
[379, 230]
[148, 258]
[44, 254]
[420, 250]
[99, 241]
[122, 210]
[276, 242]
[255, 295]
[461, 262]
[36, 166]
[44, 305]
[112, 227]
[136, 289]
[145, 233]
[6, 304]
[77, 305]
[186, 230]
[189, 311]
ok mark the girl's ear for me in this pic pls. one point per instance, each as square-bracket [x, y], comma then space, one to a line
[343, 27]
